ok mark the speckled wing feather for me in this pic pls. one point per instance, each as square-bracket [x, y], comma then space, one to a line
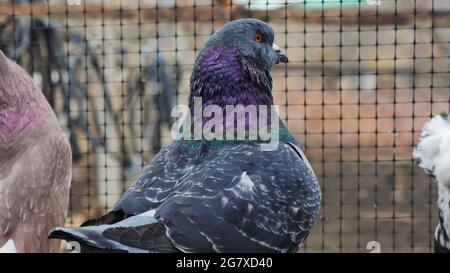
[168, 168]
[222, 197]
[229, 197]
[148, 237]
[136, 234]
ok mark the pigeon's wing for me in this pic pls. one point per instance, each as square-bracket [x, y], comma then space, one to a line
[237, 198]
[159, 179]
[139, 233]
[156, 184]
[302, 155]
[242, 199]
[34, 191]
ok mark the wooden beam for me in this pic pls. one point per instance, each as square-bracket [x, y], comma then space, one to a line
[350, 16]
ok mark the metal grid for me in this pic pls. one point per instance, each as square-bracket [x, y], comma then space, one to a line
[363, 78]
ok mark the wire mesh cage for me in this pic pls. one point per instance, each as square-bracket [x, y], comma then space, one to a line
[363, 78]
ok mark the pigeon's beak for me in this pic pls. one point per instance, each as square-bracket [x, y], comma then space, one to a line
[282, 57]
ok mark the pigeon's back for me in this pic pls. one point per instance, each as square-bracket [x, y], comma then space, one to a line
[35, 164]
[228, 197]
[243, 199]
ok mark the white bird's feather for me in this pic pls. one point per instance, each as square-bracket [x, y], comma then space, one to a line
[433, 153]
[441, 233]
[433, 150]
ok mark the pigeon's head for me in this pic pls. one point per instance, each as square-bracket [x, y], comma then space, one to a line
[234, 65]
[253, 41]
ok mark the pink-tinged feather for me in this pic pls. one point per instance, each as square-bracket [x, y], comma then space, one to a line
[22, 104]
[35, 163]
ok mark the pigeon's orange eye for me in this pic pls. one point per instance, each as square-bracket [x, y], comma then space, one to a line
[258, 38]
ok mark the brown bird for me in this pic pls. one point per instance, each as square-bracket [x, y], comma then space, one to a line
[35, 164]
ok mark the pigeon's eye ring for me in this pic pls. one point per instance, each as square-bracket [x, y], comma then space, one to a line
[258, 38]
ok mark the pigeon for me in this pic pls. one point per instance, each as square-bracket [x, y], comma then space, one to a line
[35, 165]
[433, 154]
[219, 195]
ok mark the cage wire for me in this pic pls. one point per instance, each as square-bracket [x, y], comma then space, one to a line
[363, 78]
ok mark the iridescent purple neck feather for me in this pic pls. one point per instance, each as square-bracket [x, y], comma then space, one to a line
[222, 77]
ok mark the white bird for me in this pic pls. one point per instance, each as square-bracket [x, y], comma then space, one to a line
[433, 153]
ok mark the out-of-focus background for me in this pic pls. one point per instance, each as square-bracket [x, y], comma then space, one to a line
[363, 77]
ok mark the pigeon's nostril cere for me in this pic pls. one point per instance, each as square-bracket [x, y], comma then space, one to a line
[276, 48]
[282, 57]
